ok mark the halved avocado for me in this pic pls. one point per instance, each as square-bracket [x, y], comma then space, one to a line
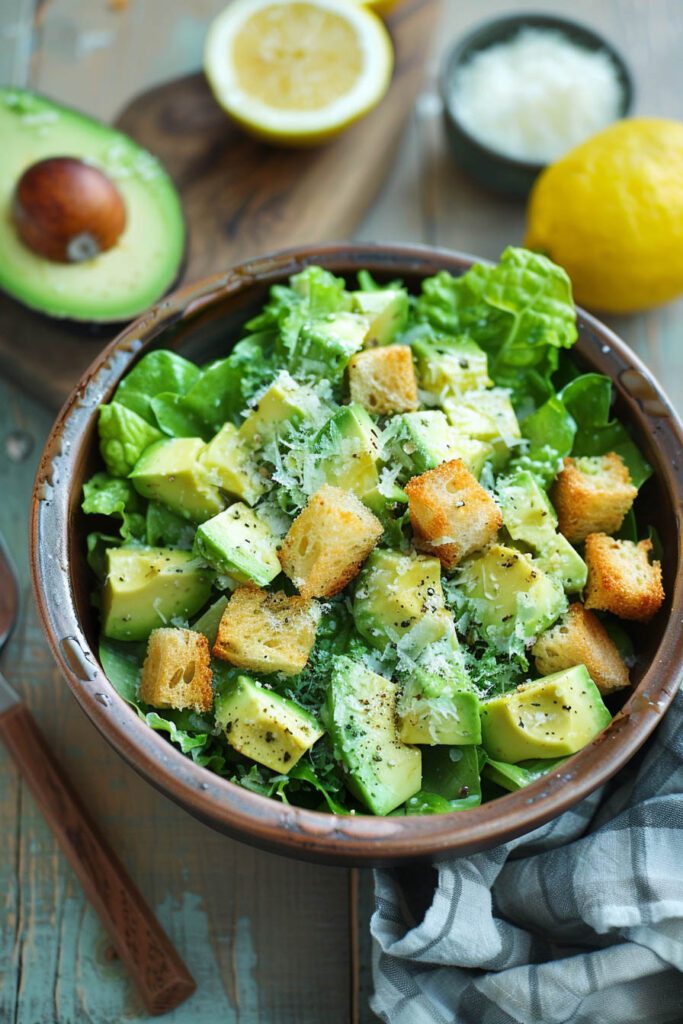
[143, 262]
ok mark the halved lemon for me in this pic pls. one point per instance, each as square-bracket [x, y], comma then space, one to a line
[297, 72]
[381, 7]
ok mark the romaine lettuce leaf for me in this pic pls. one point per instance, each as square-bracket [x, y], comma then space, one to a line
[520, 312]
[588, 399]
[157, 372]
[106, 495]
[176, 417]
[164, 528]
[123, 437]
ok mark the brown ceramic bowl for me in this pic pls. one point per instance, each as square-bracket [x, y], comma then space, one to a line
[202, 320]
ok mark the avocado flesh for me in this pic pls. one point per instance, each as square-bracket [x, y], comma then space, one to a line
[121, 282]
[172, 473]
[146, 588]
[549, 718]
[238, 543]
[346, 450]
[324, 347]
[264, 726]
[399, 599]
[527, 512]
[434, 710]
[419, 441]
[563, 562]
[382, 771]
[284, 404]
[227, 461]
[510, 594]
[447, 367]
[386, 312]
[487, 415]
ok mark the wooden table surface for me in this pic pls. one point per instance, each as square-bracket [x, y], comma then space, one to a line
[268, 939]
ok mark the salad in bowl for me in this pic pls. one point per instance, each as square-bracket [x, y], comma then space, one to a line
[382, 556]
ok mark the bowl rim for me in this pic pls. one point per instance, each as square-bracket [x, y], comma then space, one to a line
[463, 48]
[362, 840]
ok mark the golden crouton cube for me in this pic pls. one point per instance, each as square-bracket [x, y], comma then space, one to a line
[592, 495]
[383, 379]
[579, 638]
[450, 512]
[621, 577]
[328, 542]
[267, 632]
[177, 671]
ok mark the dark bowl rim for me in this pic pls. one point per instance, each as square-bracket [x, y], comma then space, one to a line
[361, 840]
[457, 54]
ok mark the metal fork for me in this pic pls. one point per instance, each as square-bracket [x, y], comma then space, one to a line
[161, 976]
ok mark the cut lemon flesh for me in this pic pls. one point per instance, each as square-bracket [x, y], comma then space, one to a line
[381, 7]
[297, 71]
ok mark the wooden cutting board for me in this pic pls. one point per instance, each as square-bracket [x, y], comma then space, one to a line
[241, 198]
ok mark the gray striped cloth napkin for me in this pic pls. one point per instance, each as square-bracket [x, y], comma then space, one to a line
[580, 921]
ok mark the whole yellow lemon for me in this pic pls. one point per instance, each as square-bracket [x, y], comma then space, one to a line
[611, 213]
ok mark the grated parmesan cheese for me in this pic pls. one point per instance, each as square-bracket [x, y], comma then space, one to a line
[535, 96]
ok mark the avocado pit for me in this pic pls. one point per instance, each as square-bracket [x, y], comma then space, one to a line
[67, 210]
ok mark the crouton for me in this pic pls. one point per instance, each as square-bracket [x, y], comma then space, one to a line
[267, 632]
[177, 671]
[592, 495]
[451, 513]
[579, 638]
[383, 379]
[621, 578]
[328, 542]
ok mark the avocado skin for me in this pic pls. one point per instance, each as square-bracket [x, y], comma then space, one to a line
[382, 772]
[141, 266]
[146, 588]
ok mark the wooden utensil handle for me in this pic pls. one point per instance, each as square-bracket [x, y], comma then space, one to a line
[161, 976]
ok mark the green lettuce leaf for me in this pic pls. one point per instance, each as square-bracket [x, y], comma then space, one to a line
[516, 776]
[105, 495]
[123, 437]
[176, 417]
[588, 399]
[163, 528]
[157, 372]
[520, 312]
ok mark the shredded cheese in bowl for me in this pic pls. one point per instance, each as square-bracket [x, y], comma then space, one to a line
[535, 96]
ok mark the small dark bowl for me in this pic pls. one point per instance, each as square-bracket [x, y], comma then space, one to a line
[202, 320]
[495, 170]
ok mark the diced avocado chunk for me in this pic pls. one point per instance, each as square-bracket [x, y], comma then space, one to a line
[264, 726]
[282, 405]
[324, 347]
[509, 594]
[382, 771]
[386, 311]
[229, 466]
[345, 450]
[435, 709]
[527, 512]
[516, 776]
[208, 622]
[399, 600]
[450, 367]
[551, 717]
[486, 415]
[240, 544]
[172, 473]
[563, 562]
[450, 781]
[146, 588]
[419, 441]
[123, 437]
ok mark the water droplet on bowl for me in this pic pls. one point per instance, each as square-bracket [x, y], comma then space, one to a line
[643, 390]
[104, 699]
